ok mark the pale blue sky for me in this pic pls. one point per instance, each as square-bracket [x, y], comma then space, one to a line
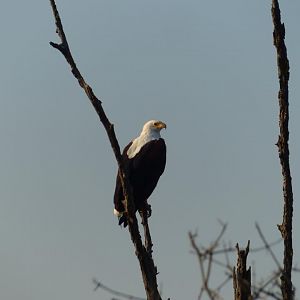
[206, 68]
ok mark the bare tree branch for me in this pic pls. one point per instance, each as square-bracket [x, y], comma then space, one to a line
[98, 284]
[207, 254]
[147, 266]
[268, 247]
[257, 291]
[283, 150]
[252, 250]
[210, 258]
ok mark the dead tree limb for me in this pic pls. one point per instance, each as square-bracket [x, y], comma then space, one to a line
[242, 275]
[283, 150]
[147, 266]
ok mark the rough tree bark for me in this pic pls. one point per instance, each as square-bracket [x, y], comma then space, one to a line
[242, 276]
[283, 150]
[144, 256]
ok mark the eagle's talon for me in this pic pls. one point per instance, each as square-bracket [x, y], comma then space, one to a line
[148, 210]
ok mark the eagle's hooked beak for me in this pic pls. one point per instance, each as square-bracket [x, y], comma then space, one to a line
[161, 125]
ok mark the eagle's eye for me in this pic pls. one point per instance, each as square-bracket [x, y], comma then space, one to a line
[156, 123]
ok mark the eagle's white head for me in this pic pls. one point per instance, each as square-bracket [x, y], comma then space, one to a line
[153, 127]
[151, 131]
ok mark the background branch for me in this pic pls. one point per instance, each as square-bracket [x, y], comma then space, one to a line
[242, 275]
[268, 247]
[283, 150]
[147, 266]
[98, 284]
[217, 256]
[207, 254]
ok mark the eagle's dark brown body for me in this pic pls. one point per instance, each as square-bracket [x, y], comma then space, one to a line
[145, 169]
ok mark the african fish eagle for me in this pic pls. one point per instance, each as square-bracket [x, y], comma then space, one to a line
[145, 159]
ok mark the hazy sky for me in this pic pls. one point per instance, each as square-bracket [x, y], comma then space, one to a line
[206, 68]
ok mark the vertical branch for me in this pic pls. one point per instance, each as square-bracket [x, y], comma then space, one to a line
[148, 241]
[146, 262]
[283, 150]
[242, 276]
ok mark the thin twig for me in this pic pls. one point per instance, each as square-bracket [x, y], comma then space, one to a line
[267, 246]
[252, 250]
[98, 285]
[202, 256]
[263, 286]
[222, 284]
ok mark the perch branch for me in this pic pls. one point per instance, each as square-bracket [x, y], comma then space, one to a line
[147, 266]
